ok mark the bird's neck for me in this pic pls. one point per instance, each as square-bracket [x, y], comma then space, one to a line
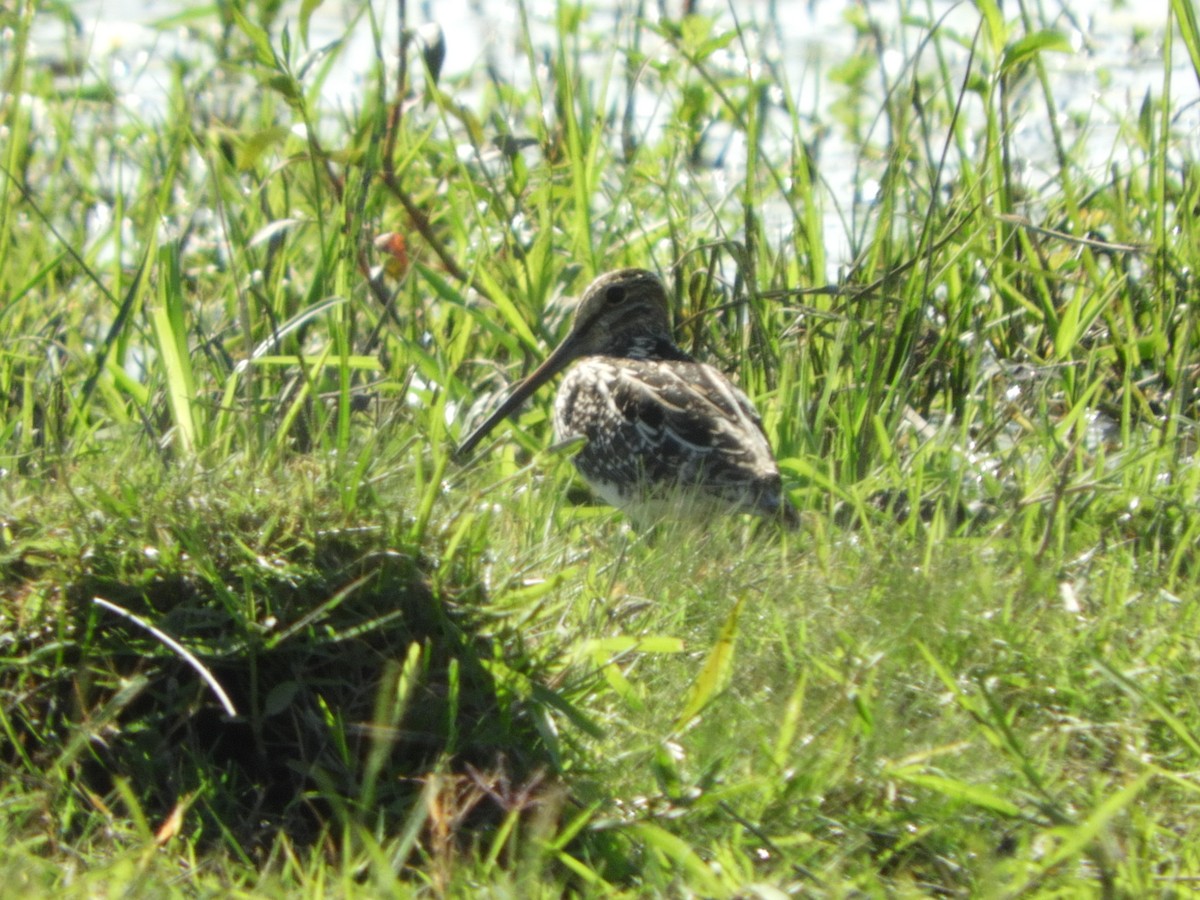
[649, 346]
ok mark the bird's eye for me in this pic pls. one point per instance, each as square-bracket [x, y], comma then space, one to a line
[615, 294]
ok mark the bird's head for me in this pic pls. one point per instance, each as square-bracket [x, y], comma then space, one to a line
[622, 313]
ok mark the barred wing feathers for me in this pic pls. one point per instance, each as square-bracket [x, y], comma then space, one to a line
[662, 424]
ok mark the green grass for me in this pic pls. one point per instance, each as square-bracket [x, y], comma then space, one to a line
[227, 412]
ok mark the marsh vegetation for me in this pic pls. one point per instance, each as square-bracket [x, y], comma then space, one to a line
[241, 338]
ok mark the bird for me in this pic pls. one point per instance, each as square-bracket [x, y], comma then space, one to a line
[662, 433]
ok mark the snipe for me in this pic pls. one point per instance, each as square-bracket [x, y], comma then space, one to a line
[662, 432]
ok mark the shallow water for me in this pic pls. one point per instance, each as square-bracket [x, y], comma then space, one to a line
[1116, 61]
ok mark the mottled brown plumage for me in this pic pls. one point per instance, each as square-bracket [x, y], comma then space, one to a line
[662, 432]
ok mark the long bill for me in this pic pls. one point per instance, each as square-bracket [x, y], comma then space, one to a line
[563, 354]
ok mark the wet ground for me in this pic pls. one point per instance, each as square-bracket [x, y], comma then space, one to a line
[1115, 60]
